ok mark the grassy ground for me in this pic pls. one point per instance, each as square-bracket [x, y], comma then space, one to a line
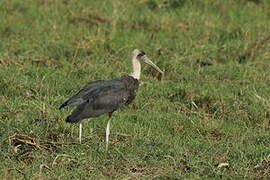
[211, 108]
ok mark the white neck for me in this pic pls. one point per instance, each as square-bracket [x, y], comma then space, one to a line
[136, 68]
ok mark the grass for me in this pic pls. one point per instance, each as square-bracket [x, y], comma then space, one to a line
[212, 106]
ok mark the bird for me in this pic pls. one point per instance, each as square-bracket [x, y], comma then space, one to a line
[106, 96]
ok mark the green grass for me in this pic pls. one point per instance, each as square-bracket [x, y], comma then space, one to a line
[212, 106]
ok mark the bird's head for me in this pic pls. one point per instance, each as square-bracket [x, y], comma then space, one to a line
[141, 56]
[138, 54]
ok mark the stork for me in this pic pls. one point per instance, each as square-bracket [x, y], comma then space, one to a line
[106, 96]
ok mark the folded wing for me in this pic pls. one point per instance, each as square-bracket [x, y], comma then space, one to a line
[90, 90]
[105, 100]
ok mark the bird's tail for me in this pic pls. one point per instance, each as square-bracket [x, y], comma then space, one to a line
[63, 105]
[72, 120]
[76, 116]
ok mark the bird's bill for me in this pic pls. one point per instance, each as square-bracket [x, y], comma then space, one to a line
[149, 62]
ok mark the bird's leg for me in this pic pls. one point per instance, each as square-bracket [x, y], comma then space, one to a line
[108, 131]
[80, 133]
[107, 134]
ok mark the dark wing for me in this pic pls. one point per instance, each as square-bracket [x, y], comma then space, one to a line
[89, 90]
[105, 101]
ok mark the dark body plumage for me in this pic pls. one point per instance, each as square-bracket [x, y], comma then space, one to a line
[102, 96]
